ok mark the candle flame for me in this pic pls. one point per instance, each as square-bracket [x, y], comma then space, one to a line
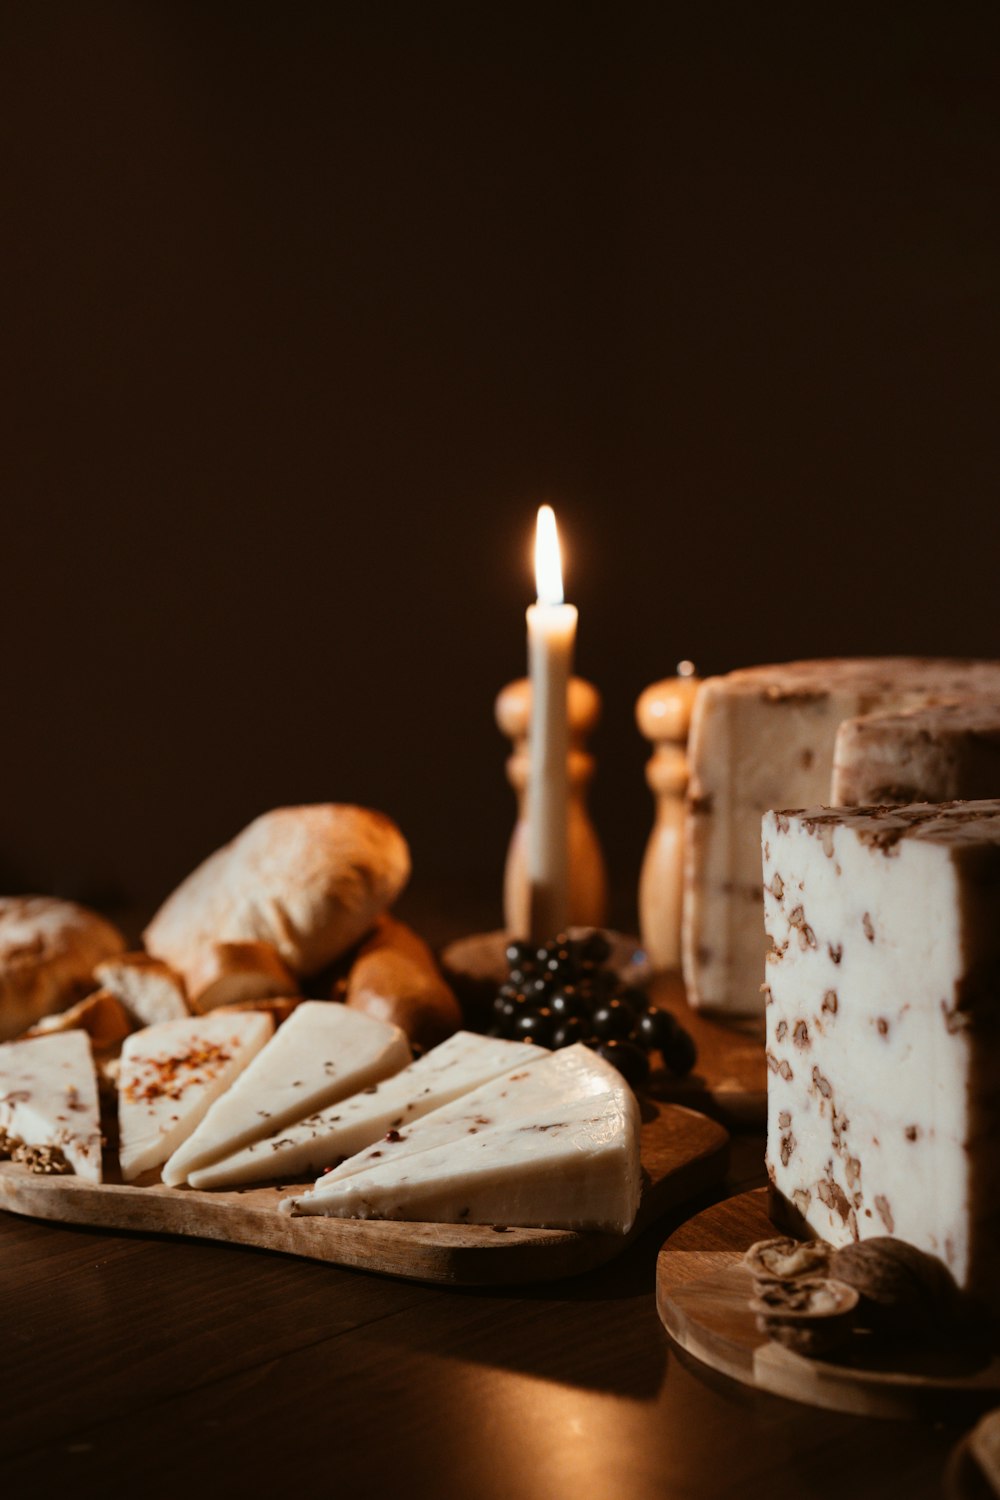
[548, 563]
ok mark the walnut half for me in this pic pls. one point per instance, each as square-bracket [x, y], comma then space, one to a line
[787, 1259]
[810, 1315]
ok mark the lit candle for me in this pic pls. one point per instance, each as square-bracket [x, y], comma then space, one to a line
[551, 633]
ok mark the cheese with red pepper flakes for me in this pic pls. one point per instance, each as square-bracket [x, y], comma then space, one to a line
[553, 1146]
[449, 1071]
[171, 1073]
[322, 1053]
[48, 1100]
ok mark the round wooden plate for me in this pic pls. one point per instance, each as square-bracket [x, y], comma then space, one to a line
[973, 1471]
[729, 1080]
[682, 1153]
[702, 1294]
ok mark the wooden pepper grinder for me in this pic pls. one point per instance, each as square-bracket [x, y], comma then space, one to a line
[663, 713]
[588, 882]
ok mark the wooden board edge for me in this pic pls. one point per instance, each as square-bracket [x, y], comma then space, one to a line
[473, 1255]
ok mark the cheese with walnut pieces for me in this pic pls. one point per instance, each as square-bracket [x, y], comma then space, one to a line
[323, 1053]
[552, 1146]
[449, 1071]
[48, 1099]
[931, 754]
[883, 1027]
[761, 738]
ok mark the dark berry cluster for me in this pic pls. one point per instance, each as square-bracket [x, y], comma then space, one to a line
[563, 992]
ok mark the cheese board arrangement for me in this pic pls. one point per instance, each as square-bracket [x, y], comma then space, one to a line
[869, 1049]
[310, 1126]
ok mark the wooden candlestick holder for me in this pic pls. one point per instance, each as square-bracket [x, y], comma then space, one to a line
[663, 713]
[588, 882]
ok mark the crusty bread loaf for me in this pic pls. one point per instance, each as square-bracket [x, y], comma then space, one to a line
[309, 880]
[395, 979]
[48, 949]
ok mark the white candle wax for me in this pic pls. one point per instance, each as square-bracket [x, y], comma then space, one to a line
[551, 635]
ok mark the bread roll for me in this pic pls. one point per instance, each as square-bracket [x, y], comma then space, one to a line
[309, 880]
[48, 949]
[102, 1016]
[231, 973]
[395, 979]
[149, 989]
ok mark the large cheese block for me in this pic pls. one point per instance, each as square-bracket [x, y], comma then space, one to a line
[932, 754]
[171, 1073]
[322, 1053]
[764, 738]
[48, 1098]
[556, 1147]
[447, 1072]
[883, 1045]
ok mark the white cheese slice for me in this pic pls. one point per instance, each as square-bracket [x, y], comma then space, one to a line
[48, 1097]
[171, 1073]
[322, 1053]
[570, 1162]
[883, 1052]
[761, 738]
[449, 1071]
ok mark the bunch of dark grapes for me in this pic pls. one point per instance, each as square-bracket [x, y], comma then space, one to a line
[563, 992]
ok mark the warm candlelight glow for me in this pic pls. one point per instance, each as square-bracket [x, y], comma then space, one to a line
[548, 563]
[551, 633]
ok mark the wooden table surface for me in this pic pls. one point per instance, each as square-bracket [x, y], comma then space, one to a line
[149, 1366]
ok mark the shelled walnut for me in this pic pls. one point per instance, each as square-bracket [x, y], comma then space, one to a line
[810, 1315]
[901, 1288]
[787, 1259]
[48, 1161]
[894, 1288]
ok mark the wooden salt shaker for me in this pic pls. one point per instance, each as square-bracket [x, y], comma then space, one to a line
[663, 713]
[588, 884]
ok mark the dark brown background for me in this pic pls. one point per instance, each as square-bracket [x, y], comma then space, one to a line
[309, 305]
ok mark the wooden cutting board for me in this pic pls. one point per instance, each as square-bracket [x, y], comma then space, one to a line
[683, 1154]
[702, 1294]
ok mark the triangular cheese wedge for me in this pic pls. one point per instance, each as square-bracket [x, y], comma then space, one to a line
[48, 1097]
[452, 1069]
[525, 1090]
[171, 1073]
[322, 1053]
[572, 1163]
